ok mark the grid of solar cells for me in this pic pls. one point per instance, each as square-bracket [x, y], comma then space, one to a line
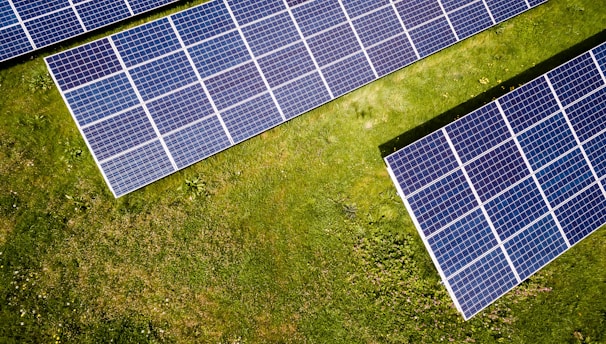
[252, 64]
[503, 191]
[27, 25]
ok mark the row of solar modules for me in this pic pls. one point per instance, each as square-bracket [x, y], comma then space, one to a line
[501, 192]
[161, 96]
[27, 25]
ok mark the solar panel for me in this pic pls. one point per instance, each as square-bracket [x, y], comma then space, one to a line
[503, 191]
[28, 25]
[246, 66]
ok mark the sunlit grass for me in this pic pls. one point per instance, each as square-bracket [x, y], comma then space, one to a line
[296, 235]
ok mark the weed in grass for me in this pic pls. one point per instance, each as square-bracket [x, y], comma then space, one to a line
[38, 80]
[195, 187]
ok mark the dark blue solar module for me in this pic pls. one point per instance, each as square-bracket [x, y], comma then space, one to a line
[286, 64]
[146, 42]
[497, 170]
[13, 42]
[596, 151]
[587, 115]
[95, 14]
[164, 75]
[7, 15]
[478, 132]
[243, 126]
[179, 109]
[529, 104]
[195, 142]
[442, 202]
[575, 79]
[462, 242]
[242, 67]
[547, 141]
[392, 54]
[431, 37]
[112, 95]
[535, 246]
[503, 191]
[462, 23]
[27, 25]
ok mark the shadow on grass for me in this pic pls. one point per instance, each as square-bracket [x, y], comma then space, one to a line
[486, 97]
[86, 36]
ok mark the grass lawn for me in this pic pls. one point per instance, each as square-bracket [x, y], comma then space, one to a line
[296, 235]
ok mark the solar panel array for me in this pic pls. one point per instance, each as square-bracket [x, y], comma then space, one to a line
[27, 25]
[501, 192]
[159, 97]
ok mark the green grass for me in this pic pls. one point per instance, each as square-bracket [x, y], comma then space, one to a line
[294, 236]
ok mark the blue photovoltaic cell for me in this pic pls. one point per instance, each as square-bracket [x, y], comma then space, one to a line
[29, 9]
[583, 214]
[180, 108]
[420, 164]
[99, 13]
[101, 99]
[241, 125]
[120, 133]
[417, 12]
[529, 104]
[565, 177]
[140, 6]
[13, 42]
[600, 56]
[246, 53]
[317, 16]
[516, 208]
[196, 142]
[218, 54]
[292, 3]
[7, 16]
[596, 151]
[443, 202]
[460, 243]
[348, 74]
[137, 168]
[202, 22]
[271, 34]
[575, 78]
[84, 64]
[535, 246]
[54, 27]
[450, 5]
[547, 141]
[482, 282]
[164, 75]
[536, 2]
[478, 132]
[587, 116]
[470, 20]
[300, 95]
[286, 64]
[356, 8]
[378, 26]
[541, 193]
[392, 55]
[146, 42]
[432, 37]
[235, 85]
[497, 170]
[505, 9]
[334, 44]
[247, 11]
